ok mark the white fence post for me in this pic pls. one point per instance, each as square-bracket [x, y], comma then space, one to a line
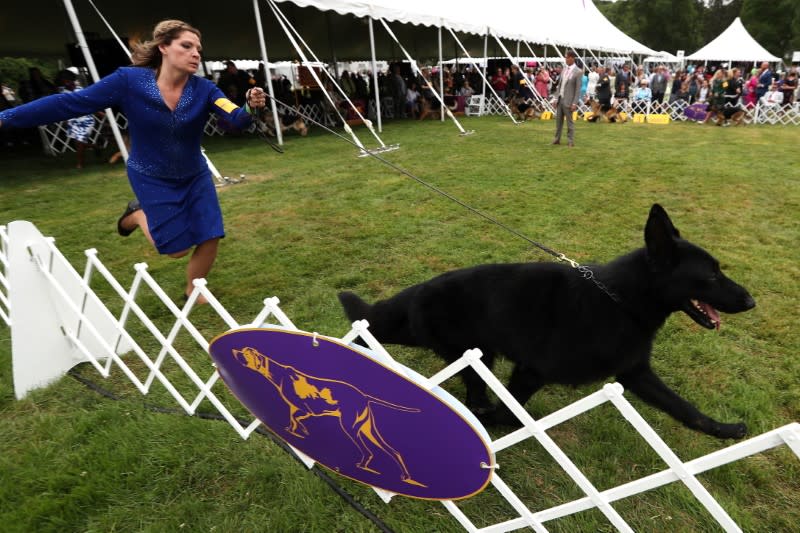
[41, 350]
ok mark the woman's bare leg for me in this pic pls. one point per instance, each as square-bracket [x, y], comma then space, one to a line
[200, 264]
[80, 150]
[201, 261]
[137, 218]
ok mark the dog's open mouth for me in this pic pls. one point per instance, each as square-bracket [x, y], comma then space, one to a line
[703, 313]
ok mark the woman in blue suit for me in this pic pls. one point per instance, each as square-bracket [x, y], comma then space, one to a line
[167, 108]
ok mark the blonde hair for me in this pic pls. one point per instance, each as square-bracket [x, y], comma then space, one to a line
[147, 54]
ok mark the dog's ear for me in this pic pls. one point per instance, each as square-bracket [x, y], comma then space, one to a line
[659, 237]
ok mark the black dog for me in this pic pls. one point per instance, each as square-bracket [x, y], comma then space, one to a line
[558, 327]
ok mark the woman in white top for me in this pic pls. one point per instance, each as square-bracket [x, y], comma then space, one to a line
[643, 94]
[412, 97]
[702, 95]
[594, 77]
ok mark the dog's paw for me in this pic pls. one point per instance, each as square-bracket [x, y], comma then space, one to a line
[499, 416]
[730, 431]
[483, 411]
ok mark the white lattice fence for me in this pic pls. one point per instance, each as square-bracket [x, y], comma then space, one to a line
[59, 316]
[56, 141]
[788, 115]
[215, 127]
[387, 108]
[760, 114]
[54, 136]
[5, 313]
[317, 112]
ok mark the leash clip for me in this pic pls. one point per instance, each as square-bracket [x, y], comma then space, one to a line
[573, 264]
[314, 341]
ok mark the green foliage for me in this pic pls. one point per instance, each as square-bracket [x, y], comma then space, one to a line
[688, 25]
[665, 23]
[770, 23]
[717, 17]
[795, 44]
[15, 69]
[660, 24]
[318, 219]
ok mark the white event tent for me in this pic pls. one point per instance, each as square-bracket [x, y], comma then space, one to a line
[575, 23]
[733, 44]
[567, 23]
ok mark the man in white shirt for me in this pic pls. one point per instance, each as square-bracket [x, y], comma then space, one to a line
[773, 97]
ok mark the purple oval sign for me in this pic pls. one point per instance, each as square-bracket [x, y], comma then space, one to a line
[352, 414]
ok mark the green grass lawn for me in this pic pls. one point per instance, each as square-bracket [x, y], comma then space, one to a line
[317, 219]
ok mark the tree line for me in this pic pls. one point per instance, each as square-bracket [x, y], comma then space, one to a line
[673, 25]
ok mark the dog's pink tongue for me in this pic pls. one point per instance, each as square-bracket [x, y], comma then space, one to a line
[712, 314]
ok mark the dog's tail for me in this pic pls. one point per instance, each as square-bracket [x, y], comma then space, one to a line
[388, 319]
[354, 307]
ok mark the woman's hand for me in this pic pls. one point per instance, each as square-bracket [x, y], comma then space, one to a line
[256, 98]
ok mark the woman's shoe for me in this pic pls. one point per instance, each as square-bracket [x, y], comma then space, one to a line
[133, 206]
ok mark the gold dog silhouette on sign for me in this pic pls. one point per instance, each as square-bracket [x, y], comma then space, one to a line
[310, 396]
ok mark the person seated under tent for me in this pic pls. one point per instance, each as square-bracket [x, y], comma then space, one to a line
[430, 103]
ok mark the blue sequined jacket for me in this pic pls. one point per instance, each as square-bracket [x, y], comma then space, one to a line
[164, 143]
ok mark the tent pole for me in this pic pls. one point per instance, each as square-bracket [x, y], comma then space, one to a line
[545, 56]
[485, 70]
[478, 70]
[375, 77]
[289, 30]
[559, 54]
[441, 77]
[87, 56]
[539, 97]
[262, 44]
[508, 55]
[330, 43]
[125, 49]
[577, 54]
[428, 81]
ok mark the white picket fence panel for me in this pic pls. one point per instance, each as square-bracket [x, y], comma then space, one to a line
[760, 114]
[5, 313]
[54, 311]
[56, 142]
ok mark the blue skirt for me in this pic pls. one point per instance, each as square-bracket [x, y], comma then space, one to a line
[181, 213]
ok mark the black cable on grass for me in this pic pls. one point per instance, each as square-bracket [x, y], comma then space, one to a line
[321, 474]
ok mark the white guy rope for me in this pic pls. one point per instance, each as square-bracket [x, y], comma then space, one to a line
[419, 73]
[480, 71]
[5, 307]
[127, 51]
[366, 121]
[87, 56]
[313, 73]
[541, 100]
[283, 21]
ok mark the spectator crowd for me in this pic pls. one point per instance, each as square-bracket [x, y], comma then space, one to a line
[712, 87]
[405, 94]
